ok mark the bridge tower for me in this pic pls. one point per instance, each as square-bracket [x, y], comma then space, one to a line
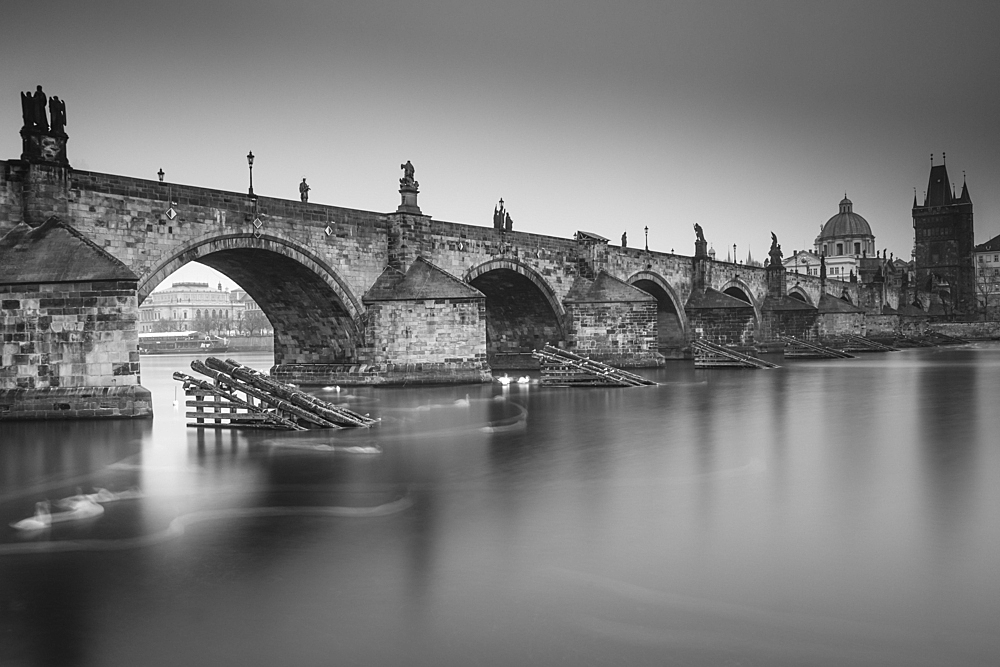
[943, 241]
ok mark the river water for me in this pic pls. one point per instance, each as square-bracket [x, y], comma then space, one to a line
[823, 513]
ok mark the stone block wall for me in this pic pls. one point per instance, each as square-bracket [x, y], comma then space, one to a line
[835, 324]
[70, 350]
[622, 334]
[989, 330]
[445, 331]
[798, 323]
[11, 177]
[69, 335]
[881, 325]
[725, 326]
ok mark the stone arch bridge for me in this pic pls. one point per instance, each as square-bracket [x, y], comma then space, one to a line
[369, 296]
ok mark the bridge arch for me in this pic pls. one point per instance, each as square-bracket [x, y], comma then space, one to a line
[735, 287]
[672, 324]
[522, 311]
[311, 309]
[797, 292]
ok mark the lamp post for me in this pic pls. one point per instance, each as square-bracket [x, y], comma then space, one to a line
[161, 174]
[250, 162]
[734, 254]
[646, 229]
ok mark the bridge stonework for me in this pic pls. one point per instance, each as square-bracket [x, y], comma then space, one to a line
[312, 269]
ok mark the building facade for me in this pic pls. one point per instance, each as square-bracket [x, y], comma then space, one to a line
[190, 306]
[988, 275]
[845, 240]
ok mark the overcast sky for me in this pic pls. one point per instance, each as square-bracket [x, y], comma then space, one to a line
[746, 117]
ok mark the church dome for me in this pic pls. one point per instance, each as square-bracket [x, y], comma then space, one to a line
[847, 223]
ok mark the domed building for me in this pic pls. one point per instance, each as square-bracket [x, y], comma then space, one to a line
[844, 240]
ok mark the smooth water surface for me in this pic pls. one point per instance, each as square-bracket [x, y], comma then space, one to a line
[824, 513]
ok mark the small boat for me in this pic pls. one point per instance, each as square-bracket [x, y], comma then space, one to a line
[77, 508]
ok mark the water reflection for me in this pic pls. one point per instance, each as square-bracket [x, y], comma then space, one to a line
[822, 513]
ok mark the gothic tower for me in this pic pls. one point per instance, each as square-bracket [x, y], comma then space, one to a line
[944, 242]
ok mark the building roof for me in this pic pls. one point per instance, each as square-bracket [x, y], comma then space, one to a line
[993, 245]
[831, 304]
[605, 289]
[939, 187]
[846, 223]
[785, 303]
[54, 252]
[422, 280]
[713, 298]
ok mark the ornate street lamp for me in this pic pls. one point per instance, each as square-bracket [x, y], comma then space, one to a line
[734, 254]
[250, 162]
[161, 174]
[647, 237]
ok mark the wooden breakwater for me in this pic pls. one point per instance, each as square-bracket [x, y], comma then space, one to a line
[562, 368]
[241, 397]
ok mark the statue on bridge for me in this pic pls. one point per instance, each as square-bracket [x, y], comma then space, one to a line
[304, 190]
[775, 252]
[624, 239]
[57, 112]
[501, 218]
[33, 110]
[408, 172]
[699, 233]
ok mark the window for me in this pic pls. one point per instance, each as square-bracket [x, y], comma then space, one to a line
[857, 248]
[840, 248]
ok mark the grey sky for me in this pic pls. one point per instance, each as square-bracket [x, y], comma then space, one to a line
[747, 117]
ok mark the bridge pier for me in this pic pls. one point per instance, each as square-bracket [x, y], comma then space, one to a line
[68, 314]
[613, 322]
[420, 327]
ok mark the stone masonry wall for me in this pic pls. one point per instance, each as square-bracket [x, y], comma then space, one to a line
[442, 331]
[622, 334]
[725, 326]
[69, 335]
[797, 323]
[834, 324]
[69, 351]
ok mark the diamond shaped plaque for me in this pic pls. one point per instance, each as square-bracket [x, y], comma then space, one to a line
[328, 230]
[256, 234]
[257, 222]
[171, 213]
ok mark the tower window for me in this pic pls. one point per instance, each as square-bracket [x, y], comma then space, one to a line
[840, 248]
[857, 248]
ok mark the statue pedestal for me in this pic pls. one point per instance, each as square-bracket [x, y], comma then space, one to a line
[701, 249]
[45, 147]
[408, 191]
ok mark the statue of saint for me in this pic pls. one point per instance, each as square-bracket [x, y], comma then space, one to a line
[57, 112]
[775, 252]
[699, 232]
[408, 172]
[27, 110]
[508, 224]
[304, 190]
[624, 239]
[39, 100]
